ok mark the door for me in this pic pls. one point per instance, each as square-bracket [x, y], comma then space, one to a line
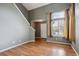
[43, 30]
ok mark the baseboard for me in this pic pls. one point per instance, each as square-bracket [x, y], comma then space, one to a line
[15, 46]
[75, 50]
[59, 42]
[40, 37]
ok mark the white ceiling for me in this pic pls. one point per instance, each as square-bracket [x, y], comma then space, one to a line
[31, 6]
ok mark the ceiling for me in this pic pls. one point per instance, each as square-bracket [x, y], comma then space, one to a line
[30, 6]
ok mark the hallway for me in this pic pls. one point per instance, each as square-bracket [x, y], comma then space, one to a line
[40, 48]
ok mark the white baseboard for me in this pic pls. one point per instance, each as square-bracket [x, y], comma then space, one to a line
[15, 46]
[74, 50]
[59, 42]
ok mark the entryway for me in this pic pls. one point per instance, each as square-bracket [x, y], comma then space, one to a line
[40, 27]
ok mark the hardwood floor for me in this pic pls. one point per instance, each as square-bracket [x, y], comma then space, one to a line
[40, 48]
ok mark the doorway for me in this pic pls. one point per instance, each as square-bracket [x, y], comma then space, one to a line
[40, 27]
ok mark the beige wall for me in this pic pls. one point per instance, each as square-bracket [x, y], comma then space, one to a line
[71, 24]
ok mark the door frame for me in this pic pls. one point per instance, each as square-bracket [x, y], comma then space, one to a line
[40, 21]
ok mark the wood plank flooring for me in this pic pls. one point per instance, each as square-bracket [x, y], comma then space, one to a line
[40, 48]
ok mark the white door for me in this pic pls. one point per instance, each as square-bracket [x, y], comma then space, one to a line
[43, 30]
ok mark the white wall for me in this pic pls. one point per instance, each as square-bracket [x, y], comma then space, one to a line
[76, 43]
[77, 22]
[14, 29]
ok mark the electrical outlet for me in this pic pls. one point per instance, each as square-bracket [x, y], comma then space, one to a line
[13, 42]
[19, 40]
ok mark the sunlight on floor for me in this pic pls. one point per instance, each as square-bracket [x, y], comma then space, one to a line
[58, 52]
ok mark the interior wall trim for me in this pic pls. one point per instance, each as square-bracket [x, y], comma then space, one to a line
[23, 15]
[20, 12]
[49, 25]
[75, 50]
[16, 45]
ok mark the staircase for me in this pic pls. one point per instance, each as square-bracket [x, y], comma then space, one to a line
[15, 29]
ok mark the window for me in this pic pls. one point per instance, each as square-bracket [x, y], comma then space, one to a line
[57, 24]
